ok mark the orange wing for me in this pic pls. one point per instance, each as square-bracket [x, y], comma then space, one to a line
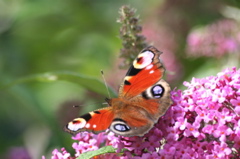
[143, 98]
[95, 121]
[146, 70]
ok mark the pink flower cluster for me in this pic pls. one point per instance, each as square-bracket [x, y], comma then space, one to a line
[203, 122]
[217, 39]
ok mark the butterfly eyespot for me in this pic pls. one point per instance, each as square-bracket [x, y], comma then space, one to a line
[143, 98]
[143, 60]
[140, 60]
[76, 124]
[157, 91]
[121, 127]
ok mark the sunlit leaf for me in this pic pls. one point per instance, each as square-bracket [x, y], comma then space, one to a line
[103, 150]
[87, 82]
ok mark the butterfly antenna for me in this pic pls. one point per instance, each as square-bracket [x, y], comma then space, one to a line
[105, 83]
[82, 105]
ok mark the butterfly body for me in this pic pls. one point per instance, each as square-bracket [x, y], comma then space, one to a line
[143, 98]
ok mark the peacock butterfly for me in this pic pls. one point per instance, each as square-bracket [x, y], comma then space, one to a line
[143, 98]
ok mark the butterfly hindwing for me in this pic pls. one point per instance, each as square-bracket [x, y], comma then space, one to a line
[143, 98]
[137, 116]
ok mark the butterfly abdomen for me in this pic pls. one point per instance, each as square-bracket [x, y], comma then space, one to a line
[143, 98]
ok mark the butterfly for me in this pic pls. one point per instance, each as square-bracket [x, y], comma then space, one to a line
[143, 98]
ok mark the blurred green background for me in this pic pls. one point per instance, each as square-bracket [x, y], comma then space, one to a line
[74, 40]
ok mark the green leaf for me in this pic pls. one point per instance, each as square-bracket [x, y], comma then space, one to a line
[103, 150]
[87, 82]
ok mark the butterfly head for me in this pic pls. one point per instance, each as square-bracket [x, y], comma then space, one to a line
[143, 98]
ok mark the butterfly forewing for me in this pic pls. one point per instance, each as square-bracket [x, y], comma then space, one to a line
[145, 71]
[95, 121]
[143, 98]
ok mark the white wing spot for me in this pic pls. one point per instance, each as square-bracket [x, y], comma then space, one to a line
[149, 67]
[87, 125]
[94, 126]
[151, 72]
